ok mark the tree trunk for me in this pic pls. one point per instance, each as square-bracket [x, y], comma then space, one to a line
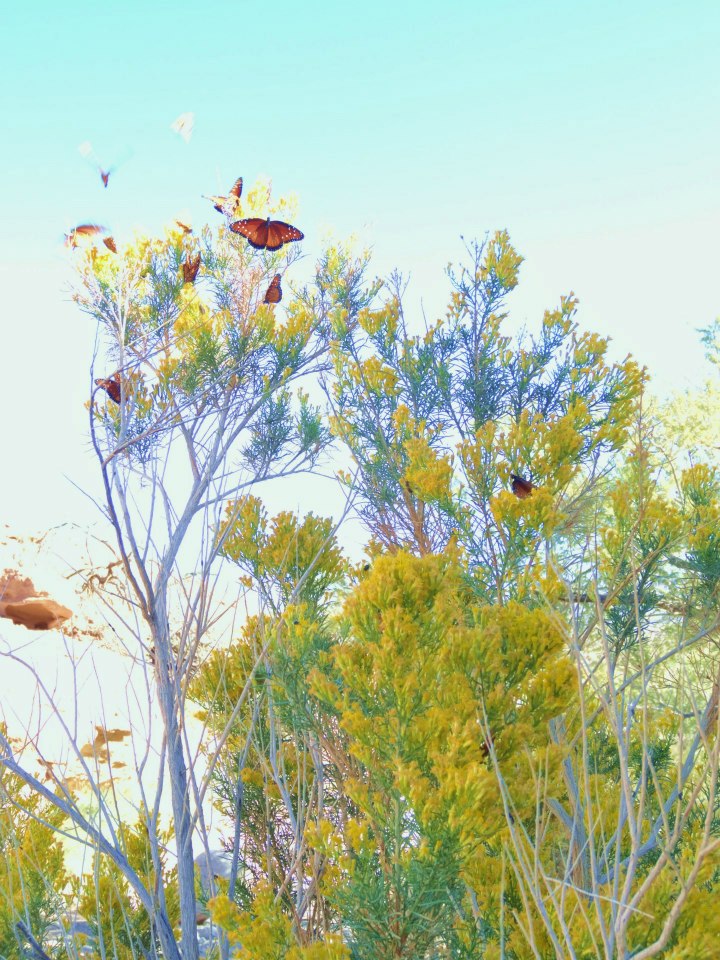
[170, 710]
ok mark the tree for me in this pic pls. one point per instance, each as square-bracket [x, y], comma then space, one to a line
[32, 871]
[497, 737]
[210, 405]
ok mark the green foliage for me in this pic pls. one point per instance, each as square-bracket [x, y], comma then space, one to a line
[437, 423]
[265, 932]
[500, 739]
[482, 699]
[32, 864]
[122, 927]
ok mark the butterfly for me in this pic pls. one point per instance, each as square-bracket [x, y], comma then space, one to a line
[110, 244]
[82, 230]
[266, 234]
[183, 125]
[520, 487]
[111, 386]
[223, 204]
[190, 268]
[274, 291]
[86, 149]
[183, 226]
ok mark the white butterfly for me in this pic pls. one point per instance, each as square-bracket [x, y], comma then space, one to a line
[184, 125]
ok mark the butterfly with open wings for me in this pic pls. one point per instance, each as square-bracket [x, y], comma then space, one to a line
[82, 231]
[228, 205]
[266, 234]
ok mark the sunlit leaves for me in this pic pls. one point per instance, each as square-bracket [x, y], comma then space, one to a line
[32, 862]
[265, 932]
[437, 423]
[293, 561]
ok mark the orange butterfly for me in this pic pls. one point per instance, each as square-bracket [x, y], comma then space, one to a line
[111, 386]
[266, 234]
[274, 291]
[190, 268]
[105, 174]
[183, 226]
[110, 244]
[86, 149]
[82, 230]
[223, 204]
[520, 487]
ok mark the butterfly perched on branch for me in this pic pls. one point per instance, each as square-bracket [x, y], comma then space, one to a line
[82, 230]
[111, 386]
[229, 204]
[521, 487]
[190, 268]
[273, 293]
[266, 234]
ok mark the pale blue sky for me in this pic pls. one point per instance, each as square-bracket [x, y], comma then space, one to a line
[589, 130]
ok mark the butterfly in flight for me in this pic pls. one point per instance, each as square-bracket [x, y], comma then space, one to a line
[110, 244]
[82, 230]
[190, 268]
[111, 386]
[521, 487]
[183, 125]
[274, 291]
[87, 151]
[266, 234]
[228, 205]
[183, 226]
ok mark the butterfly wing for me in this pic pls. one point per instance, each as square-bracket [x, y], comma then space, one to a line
[280, 233]
[254, 229]
[82, 230]
[183, 125]
[110, 244]
[111, 386]
[88, 229]
[236, 188]
[105, 177]
[521, 487]
[190, 268]
[274, 291]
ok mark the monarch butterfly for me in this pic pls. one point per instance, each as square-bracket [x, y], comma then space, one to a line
[105, 176]
[266, 234]
[274, 291]
[520, 487]
[231, 201]
[183, 226]
[110, 244]
[111, 386]
[190, 268]
[82, 230]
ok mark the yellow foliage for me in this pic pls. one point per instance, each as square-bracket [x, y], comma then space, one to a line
[265, 932]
